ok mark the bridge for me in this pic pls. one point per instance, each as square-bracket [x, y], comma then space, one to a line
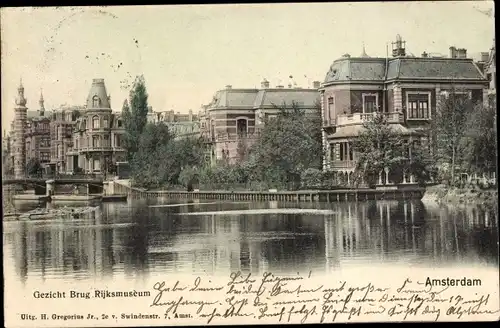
[46, 184]
[57, 180]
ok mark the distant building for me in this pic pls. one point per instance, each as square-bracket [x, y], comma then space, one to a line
[97, 134]
[61, 136]
[182, 125]
[37, 134]
[407, 89]
[487, 64]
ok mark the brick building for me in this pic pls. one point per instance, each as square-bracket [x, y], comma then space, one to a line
[234, 116]
[97, 134]
[406, 89]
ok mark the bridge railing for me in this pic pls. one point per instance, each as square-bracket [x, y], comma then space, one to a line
[91, 177]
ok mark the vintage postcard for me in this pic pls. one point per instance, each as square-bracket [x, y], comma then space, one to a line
[249, 164]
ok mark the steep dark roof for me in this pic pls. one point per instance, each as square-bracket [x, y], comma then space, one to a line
[433, 68]
[373, 69]
[356, 69]
[235, 98]
[254, 98]
[270, 98]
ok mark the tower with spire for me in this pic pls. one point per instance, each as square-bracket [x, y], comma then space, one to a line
[41, 103]
[20, 114]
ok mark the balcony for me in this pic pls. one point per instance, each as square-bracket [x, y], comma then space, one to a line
[342, 164]
[235, 137]
[98, 148]
[360, 118]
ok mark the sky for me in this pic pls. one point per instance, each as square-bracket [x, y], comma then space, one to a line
[187, 53]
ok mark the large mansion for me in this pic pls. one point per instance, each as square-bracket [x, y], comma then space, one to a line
[406, 89]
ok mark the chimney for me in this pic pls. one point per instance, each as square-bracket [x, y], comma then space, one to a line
[264, 84]
[453, 52]
[462, 53]
[229, 86]
[485, 56]
[316, 85]
[190, 115]
[424, 55]
[398, 47]
[280, 87]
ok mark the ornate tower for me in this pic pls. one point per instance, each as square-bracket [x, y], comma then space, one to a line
[41, 103]
[20, 113]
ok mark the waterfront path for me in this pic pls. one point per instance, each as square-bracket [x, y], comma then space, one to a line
[381, 193]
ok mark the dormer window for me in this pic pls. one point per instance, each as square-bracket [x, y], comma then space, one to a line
[96, 102]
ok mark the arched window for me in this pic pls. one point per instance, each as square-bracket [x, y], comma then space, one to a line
[95, 122]
[242, 127]
[96, 102]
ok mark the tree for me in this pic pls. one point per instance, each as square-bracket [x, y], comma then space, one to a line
[33, 167]
[161, 158]
[242, 149]
[135, 116]
[287, 145]
[450, 128]
[480, 155]
[378, 147]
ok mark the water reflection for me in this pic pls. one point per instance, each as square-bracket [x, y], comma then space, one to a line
[135, 240]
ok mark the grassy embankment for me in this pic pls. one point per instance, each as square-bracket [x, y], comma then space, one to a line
[444, 194]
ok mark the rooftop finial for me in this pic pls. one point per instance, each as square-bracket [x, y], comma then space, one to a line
[364, 55]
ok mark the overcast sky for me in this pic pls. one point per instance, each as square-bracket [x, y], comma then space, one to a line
[186, 53]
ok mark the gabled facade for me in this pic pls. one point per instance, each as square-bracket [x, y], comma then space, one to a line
[234, 116]
[406, 89]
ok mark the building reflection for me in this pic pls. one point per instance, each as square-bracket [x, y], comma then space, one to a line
[132, 241]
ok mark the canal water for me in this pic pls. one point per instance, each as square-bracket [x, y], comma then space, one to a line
[148, 238]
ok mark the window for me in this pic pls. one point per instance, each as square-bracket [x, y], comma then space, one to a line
[370, 103]
[105, 123]
[117, 141]
[351, 154]
[119, 123]
[271, 117]
[96, 102]
[45, 157]
[95, 141]
[341, 152]
[332, 152]
[242, 127]
[97, 165]
[95, 122]
[418, 105]
[330, 110]
[106, 141]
